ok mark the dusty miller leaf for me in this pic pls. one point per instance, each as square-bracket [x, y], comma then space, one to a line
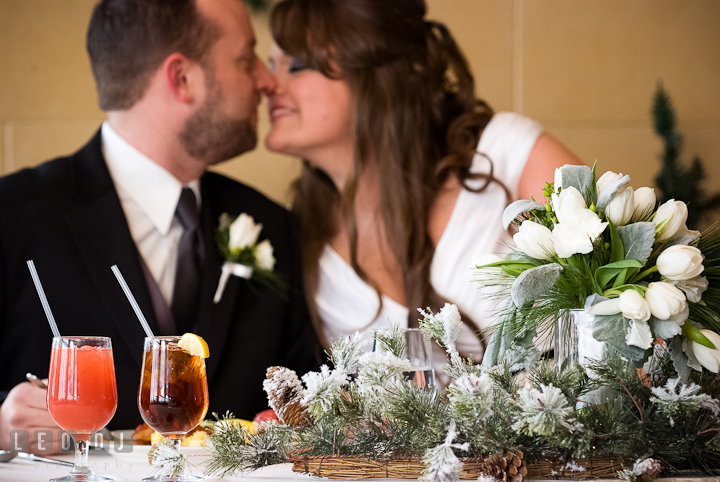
[579, 177]
[517, 208]
[612, 329]
[638, 239]
[679, 359]
[533, 283]
[664, 329]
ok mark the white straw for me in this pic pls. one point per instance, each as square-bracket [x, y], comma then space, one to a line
[43, 299]
[132, 301]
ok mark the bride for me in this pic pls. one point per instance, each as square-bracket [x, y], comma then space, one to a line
[406, 173]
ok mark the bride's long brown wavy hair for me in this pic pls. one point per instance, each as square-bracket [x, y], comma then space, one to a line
[415, 112]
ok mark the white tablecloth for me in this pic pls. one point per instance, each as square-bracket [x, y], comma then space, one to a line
[132, 467]
[128, 467]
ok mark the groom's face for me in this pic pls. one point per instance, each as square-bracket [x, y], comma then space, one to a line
[225, 123]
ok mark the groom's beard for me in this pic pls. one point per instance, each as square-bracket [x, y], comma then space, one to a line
[213, 136]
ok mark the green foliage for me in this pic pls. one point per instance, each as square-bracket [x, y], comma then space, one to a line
[235, 450]
[674, 180]
[391, 341]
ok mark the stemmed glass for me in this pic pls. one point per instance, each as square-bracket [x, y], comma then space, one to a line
[173, 397]
[419, 352]
[82, 394]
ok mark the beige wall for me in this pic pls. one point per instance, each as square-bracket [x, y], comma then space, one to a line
[586, 69]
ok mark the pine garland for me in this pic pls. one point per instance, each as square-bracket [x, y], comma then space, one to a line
[490, 414]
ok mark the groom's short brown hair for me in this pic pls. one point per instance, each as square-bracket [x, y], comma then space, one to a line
[128, 40]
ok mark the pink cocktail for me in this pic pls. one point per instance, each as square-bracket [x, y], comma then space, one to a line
[82, 395]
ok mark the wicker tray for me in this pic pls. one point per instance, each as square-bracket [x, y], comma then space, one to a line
[359, 467]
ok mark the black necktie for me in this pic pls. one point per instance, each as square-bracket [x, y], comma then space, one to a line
[187, 276]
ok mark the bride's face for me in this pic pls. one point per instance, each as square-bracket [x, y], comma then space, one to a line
[310, 116]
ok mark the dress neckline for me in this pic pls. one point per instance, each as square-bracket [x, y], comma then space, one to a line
[340, 261]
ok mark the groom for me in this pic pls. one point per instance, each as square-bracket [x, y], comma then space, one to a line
[180, 82]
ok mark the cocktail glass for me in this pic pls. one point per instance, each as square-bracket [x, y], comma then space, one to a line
[81, 395]
[173, 397]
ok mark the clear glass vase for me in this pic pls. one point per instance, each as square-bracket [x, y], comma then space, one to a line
[574, 340]
[574, 343]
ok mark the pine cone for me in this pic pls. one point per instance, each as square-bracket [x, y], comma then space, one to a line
[284, 394]
[508, 467]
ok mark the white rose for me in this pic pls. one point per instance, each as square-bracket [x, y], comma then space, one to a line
[634, 306]
[708, 357]
[620, 208]
[243, 232]
[639, 334]
[568, 204]
[487, 276]
[680, 262]
[264, 255]
[665, 300]
[606, 179]
[577, 235]
[693, 287]
[535, 240]
[678, 213]
[644, 200]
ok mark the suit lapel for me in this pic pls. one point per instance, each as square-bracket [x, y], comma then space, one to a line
[100, 231]
[214, 319]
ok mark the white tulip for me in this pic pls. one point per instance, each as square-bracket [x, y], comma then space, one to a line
[708, 357]
[243, 232]
[488, 276]
[634, 306]
[264, 255]
[606, 179]
[577, 235]
[620, 208]
[644, 200]
[639, 334]
[568, 204]
[678, 213]
[680, 317]
[535, 240]
[693, 287]
[607, 307]
[665, 300]
[558, 179]
[680, 262]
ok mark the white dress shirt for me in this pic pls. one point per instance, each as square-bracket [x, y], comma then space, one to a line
[149, 195]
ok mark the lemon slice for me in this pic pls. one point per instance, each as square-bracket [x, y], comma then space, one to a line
[194, 345]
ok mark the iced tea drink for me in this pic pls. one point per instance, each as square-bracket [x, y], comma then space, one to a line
[173, 396]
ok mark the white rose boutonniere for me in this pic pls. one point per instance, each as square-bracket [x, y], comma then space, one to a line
[244, 256]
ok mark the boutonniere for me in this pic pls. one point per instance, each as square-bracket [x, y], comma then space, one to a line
[244, 256]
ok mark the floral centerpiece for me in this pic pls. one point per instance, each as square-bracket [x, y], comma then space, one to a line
[601, 246]
[363, 418]
[593, 245]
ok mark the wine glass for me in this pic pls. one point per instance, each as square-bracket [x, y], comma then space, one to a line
[419, 352]
[173, 396]
[81, 394]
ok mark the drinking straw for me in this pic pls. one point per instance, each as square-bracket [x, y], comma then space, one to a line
[43, 299]
[132, 301]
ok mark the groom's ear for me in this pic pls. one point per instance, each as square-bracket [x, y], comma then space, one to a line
[183, 77]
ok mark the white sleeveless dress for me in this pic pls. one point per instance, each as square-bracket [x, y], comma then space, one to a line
[347, 304]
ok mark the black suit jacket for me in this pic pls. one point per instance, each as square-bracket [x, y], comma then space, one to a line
[66, 216]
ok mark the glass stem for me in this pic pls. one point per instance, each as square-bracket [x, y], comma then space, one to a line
[176, 443]
[81, 451]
